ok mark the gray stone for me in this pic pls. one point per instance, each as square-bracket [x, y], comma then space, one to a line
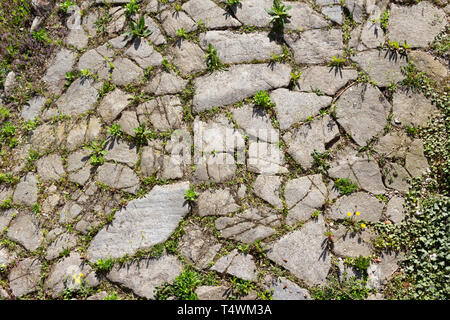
[120, 151]
[43, 137]
[216, 203]
[395, 210]
[234, 47]
[303, 17]
[412, 109]
[98, 296]
[55, 77]
[369, 207]
[166, 83]
[379, 273]
[143, 223]
[26, 190]
[70, 273]
[125, 72]
[151, 160]
[144, 276]
[284, 289]
[265, 158]
[396, 177]
[128, 122]
[384, 67]
[33, 108]
[326, 79]
[64, 241]
[256, 123]
[304, 196]
[119, 177]
[237, 264]
[50, 168]
[155, 6]
[24, 278]
[89, 20]
[188, 57]
[24, 230]
[210, 14]
[356, 9]
[393, 144]
[5, 217]
[6, 257]
[79, 97]
[144, 54]
[423, 16]
[69, 213]
[268, 188]
[198, 247]
[77, 37]
[117, 20]
[415, 161]
[372, 35]
[173, 21]
[308, 137]
[350, 244]
[97, 61]
[362, 111]
[426, 62]
[164, 112]
[77, 160]
[251, 12]
[10, 82]
[292, 106]
[237, 83]
[316, 46]
[303, 253]
[75, 137]
[249, 226]
[212, 292]
[156, 37]
[120, 42]
[334, 13]
[218, 168]
[113, 104]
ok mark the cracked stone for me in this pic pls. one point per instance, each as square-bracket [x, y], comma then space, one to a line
[284, 289]
[79, 97]
[96, 61]
[50, 168]
[303, 252]
[351, 244]
[122, 152]
[43, 137]
[128, 122]
[151, 159]
[415, 161]
[303, 17]
[372, 35]
[412, 108]
[395, 210]
[251, 12]
[113, 104]
[334, 13]
[237, 83]
[173, 21]
[265, 158]
[256, 123]
[397, 177]
[362, 111]
[233, 47]
[69, 213]
[268, 188]
[379, 273]
[144, 276]
[24, 278]
[77, 37]
[369, 207]
[55, 77]
[143, 223]
[6, 216]
[188, 57]
[6, 257]
[166, 83]
[292, 106]
[237, 264]
[117, 20]
[25, 231]
[125, 72]
[119, 177]
[156, 37]
[164, 112]
[26, 192]
[249, 226]
[210, 14]
[144, 54]
[65, 241]
[33, 108]
[212, 292]
[393, 145]
[326, 79]
[216, 203]
[426, 62]
[303, 140]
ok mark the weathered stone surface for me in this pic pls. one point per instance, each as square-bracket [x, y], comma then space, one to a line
[308, 137]
[292, 107]
[166, 83]
[250, 225]
[24, 230]
[384, 67]
[6, 216]
[33, 108]
[156, 37]
[26, 190]
[143, 223]
[151, 159]
[188, 57]
[239, 82]
[144, 276]
[359, 169]
[256, 123]
[212, 292]
[396, 177]
[173, 21]
[96, 61]
[395, 210]
[216, 203]
[79, 97]
[24, 278]
[326, 79]
[303, 253]
[303, 17]
[198, 247]
[379, 273]
[234, 47]
[77, 37]
[6, 257]
[304, 196]
[237, 264]
[128, 122]
[372, 35]
[411, 108]
[362, 110]
[98, 296]
[268, 188]
[425, 62]
[64, 241]
[144, 54]
[69, 212]
[43, 137]
[120, 151]
[164, 112]
[351, 244]
[125, 72]
[316, 46]
[113, 104]
[284, 289]
[393, 144]
[415, 161]
[118, 176]
[423, 16]
[55, 77]
[210, 14]
[265, 158]
[251, 12]
[50, 168]
[65, 273]
[369, 207]
[117, 20]
[333, 13]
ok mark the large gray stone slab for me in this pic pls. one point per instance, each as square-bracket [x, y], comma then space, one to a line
[210, 14]
[412, 108]
[55, 76]
[79, 97]
[216, 202]
[369, 207]
[326, 79]
[26, 192]
[284, 289]
[119, 177]
[24, 278]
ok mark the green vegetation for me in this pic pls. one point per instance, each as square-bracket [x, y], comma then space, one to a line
[345, 289]
[279, 13]
[97, 152]
[337, 62]
[183, 288]
[131, 8]
[262, 99]
[8, 135]
[65, 5]
[104, 265]
[138, 29]
[190, 195]
[345, 186]
[115, 130]
[212, 59]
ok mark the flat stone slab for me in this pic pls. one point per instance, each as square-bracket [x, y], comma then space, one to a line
[119, 177]
[125, 72]
[303, 17]
[210, 14]
[415, 161]
[164, 112]
[393, 144]
[237, 83]
[144, 54]
[292, 106]
[55, 77]
[66, 241]
[33, 108]
[303, 253]
[43, 137]
[216, 203]
[395, 210]
[426, 62]
[251, 12]
[26, 192]
[384, 67]
[249, 226]
[145, 275]
[303, 140]
[237, 264]
[369, 207]
[234, 47]
[79, 97]
[284, 289]
[166, 83]
[188, 57]
[316, 46]
[256, 123]
[265, 158]
[212, 292]
[96, 61]
[396, 177]
[175, 20]
[326, 79]
[423, 16]
[362, 111]
[267, 187]
[351, 244]
[50, 168]
[143, 223]
[121, 151]
[412, 109]
[379, 273]
[24, 278]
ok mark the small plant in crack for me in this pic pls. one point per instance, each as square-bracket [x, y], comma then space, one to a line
[142, 134]
[345, 186]
[295, 77]
[97, 152]
[182, 33]
[115, 130]
[279, 13]
[320, 160]
[104, 265]
[131, 8]
[212, 59]
[190, 195]
[65, 5]
[337, 62]
[232, 4]
[138, 29]
[262, 99]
